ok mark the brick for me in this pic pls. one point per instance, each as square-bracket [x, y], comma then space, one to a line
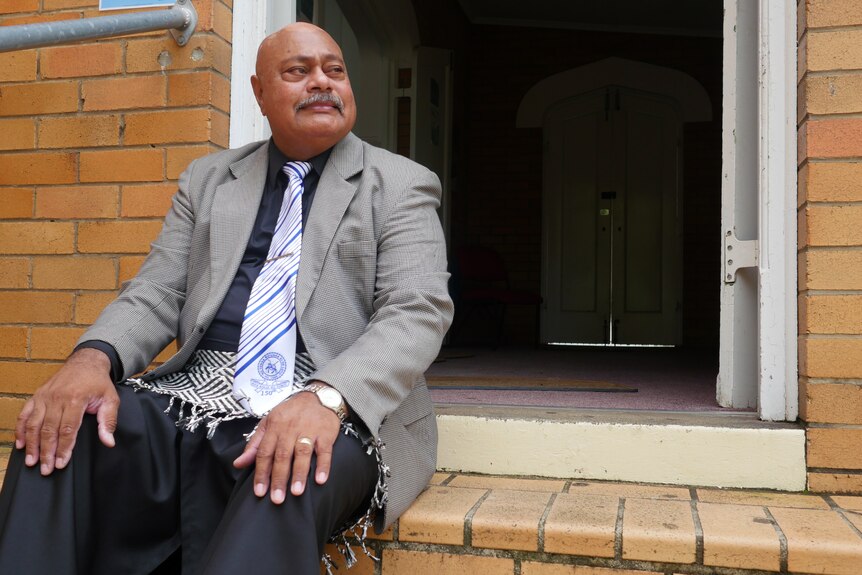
[833, 94]
[658, 531]
[831, 13]
[509, 520]
[831, 358]
[833, 138]
[79, 132]
[38, 98]
[129, 266]
[19, 6]
[168, 127]
[18, 134]
[18, 66]
[38, 168]
[130, 93]
[834, 225]
[761, 498]
[35, 307]
[161, 54]
[364, 565]
[220, 129]
[41, 18]
[117, 237]
[833, 403]
[89, 305]
[14, 273]
[834, 448]
[223, 21]
[199, 89]
[13, 342]
[437, 516]
[145, 165]
[36, 238]
[77, 202]
[819, 542]
[846, 502]
[398, 562]
[582, 525]
[53, 342]
[178, 158]
[166, 353]
[627, 490]
[821, 270]
[147, 200]
[78, 61]
[91, 273]
[439, 477]
[10, 407]
[831, 314]
[834, 50]
[64, 4]
[205, 15]
[534, 568]
[17, 203]
[511, 483]
[834, 182]
[738, 536]
[835, 482]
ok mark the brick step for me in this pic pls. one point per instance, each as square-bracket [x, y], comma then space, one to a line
[490, 525]
[518, 526]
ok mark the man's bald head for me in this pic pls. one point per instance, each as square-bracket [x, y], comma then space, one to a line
[302, 87]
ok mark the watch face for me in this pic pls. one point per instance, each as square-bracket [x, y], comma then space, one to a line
[329, 397]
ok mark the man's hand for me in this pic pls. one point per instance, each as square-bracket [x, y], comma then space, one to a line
[276, 451]
[48, 424]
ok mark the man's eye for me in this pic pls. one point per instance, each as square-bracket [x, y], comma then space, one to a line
[336, 70]
[297, 70]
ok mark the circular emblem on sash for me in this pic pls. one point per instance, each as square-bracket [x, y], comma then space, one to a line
[271, 366]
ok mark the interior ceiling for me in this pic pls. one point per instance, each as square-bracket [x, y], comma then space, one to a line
[686, 17]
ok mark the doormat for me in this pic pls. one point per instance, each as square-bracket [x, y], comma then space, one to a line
[490, 383]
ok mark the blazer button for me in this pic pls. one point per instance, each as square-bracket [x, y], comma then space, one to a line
[200, 330]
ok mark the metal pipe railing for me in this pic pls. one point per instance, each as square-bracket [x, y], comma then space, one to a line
[180, 19]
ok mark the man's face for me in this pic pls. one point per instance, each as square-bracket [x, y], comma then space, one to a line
[302, 87]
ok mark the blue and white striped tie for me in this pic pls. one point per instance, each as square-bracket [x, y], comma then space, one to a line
[267, 343]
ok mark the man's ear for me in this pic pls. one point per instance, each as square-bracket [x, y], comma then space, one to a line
[258, 93]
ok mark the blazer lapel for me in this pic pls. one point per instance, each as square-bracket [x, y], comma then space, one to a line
[234, 210]
[333, 195]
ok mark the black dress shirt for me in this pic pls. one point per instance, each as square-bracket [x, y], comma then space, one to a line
[224, 331]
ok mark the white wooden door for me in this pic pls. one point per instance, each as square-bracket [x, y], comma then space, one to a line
[612, 251]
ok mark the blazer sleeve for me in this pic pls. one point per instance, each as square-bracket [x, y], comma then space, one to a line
[144, 318]
[412, 309]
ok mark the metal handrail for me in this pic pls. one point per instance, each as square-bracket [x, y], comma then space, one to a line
[180, 19]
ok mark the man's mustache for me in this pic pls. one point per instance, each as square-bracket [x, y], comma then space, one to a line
[326, 97]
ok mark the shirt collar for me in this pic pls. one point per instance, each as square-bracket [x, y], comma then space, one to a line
[277, 159]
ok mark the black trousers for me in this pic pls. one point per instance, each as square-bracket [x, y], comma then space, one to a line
[169, 501]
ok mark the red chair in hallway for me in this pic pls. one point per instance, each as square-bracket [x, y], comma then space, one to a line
[484, 288]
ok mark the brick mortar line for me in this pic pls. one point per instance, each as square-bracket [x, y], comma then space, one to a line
[841, 513]
[542, 520]
[834, 470]
[448, 480]
[567, 486]
[833, 203]
[813, 425]
[827, 29]
[782, 541]
[833, 292]
[468, 519]
[812, 117]
[849, 159]
[826, 336]
[618, 530]
[833, 381]
[698, 532]
[577, 560]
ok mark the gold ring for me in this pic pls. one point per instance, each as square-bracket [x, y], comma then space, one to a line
[305, 441]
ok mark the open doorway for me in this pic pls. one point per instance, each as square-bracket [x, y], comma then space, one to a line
[607, 208]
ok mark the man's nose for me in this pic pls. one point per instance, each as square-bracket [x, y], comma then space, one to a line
[318, 79]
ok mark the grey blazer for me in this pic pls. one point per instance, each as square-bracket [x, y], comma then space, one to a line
[372, 298]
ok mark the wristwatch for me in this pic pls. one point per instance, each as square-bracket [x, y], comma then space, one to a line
[329, 398]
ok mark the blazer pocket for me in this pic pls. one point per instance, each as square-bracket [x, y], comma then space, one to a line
[358, 249]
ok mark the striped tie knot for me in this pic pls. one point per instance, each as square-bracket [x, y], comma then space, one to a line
[296, 171]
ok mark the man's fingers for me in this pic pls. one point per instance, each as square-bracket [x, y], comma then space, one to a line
[324, 461]
[249, 453]
[33, 433]
[263, 464]
[21, 424]
[67, 432]
[106, 417]
[48, 438]
[282, 461]
[301, 464]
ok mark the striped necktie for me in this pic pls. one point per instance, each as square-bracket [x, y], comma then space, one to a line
[267, 342]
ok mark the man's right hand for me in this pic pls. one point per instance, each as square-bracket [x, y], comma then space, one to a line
[49, 422]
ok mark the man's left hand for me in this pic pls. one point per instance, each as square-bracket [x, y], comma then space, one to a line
[277, 453]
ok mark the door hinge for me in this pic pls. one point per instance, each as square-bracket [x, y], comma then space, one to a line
[737, 254]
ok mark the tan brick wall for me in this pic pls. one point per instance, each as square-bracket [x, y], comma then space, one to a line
[830, 240]
[94, 137]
